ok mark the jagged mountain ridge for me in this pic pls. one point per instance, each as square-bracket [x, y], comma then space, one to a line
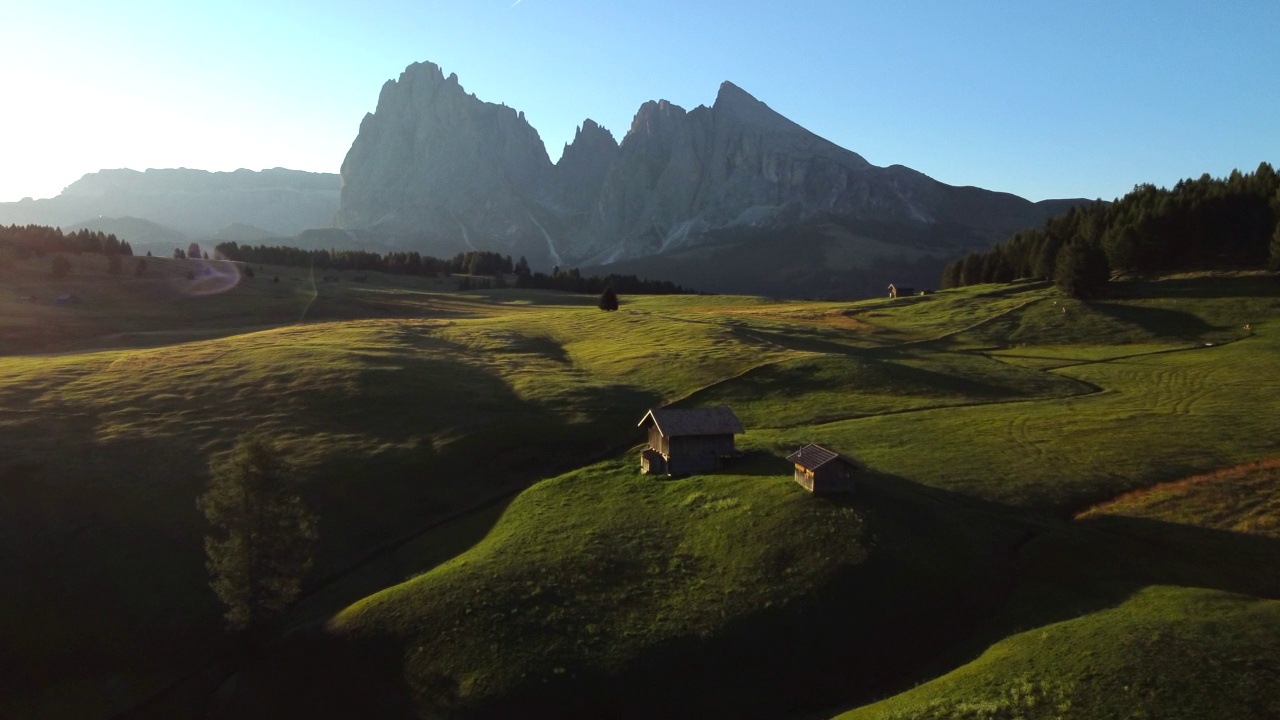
[195, 203]
[437, 169]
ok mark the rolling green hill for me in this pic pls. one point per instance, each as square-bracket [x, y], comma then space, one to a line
[1166, 652]
[719, 589]
[985, 418]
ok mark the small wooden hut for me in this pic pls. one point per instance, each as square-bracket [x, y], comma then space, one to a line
[682, 442]
[822, 471]
[896, 292]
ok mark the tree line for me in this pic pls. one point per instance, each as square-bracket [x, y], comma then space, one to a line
[40, 240]
[1202, 223]
[493, 267]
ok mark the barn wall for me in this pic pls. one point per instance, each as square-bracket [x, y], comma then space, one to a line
[697, 453]
[804, 478]
[658, 442]
[652, 462]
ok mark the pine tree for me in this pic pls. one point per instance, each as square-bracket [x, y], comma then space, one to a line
[609, 299]
[951, 275]
[971, 269]
[261, 546]
[1274, 262]
[1081, 269]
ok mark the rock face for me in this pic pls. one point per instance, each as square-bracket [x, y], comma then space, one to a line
[434, 166]
[441, 171]
[583, 167]
[195, 203]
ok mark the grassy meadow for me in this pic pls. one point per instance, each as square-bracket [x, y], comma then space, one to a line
[1036, 531]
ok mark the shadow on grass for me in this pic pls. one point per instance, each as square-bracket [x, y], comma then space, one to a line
[1161, 322]
[1075, 568]
[871, 372]
[313, 675]
[385, 451]
[947, 576]
[802, 340]
[1160, 552]
[759, 463]
[1199, 288]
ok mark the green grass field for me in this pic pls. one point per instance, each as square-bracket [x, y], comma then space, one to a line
[995, 429]
[1164, 652]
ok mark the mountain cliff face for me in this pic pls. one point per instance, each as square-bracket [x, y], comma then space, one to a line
[196, 203]
[437, 167]
[583, 167]
[440, 170]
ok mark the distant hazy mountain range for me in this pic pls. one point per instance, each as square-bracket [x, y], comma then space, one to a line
[164, 205]
[732, 197]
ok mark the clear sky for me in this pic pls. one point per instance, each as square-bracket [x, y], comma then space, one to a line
[1041, 99]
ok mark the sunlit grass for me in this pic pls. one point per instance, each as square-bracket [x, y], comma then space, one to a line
[406, 402]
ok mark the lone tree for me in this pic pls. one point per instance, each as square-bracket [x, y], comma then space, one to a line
[261, 545]
[609, 299]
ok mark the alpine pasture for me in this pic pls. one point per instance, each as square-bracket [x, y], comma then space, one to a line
[487, 544]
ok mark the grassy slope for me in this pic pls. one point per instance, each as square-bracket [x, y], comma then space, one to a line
[1167, 618]
[1151, 604]
[1208, 405]
[1165, 652]
[698, 585]
[1243, 499]
[1045, 454]
[394, 420]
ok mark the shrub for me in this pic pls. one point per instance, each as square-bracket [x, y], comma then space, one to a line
[608, 300]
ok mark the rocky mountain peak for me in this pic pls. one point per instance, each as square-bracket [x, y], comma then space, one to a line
[654, 118]
[731, 94]
[732, 102]
[434, 161]
[590, 135]
[584, 164]
[441, 169]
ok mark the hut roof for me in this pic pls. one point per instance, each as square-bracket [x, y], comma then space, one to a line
[815, 456]
[695, 421]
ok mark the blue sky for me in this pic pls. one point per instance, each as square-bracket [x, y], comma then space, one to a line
[1038, 99]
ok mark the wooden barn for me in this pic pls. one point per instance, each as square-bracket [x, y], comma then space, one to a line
[895, 291]
[822, 471]
[683, 442]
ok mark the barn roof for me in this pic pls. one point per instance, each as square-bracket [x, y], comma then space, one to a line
[673, 422]
[815, 456]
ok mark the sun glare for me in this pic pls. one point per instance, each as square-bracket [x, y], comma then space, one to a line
[211, 278]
